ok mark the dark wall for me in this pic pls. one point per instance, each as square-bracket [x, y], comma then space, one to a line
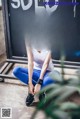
[58, 31]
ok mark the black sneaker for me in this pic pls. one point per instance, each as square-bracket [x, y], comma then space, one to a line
[42, 96]
[29, 99]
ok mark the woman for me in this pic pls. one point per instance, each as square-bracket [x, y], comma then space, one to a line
[36, 76]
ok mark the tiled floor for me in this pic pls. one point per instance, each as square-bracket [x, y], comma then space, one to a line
[14, 96]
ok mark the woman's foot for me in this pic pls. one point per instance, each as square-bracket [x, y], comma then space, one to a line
[42, 96]
[29, 99]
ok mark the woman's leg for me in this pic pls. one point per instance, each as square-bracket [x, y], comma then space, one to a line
[47, 81]
[22, 75]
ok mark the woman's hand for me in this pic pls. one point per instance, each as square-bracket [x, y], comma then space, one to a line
[31, 88]
[37, 88]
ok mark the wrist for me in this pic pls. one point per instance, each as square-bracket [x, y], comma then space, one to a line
[30, 82]
[40, 81]
[41, 77]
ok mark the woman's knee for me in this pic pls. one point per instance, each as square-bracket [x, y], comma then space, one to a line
[16, 71]
[47, 80]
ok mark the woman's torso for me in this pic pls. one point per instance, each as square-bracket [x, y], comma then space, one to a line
[39, 59]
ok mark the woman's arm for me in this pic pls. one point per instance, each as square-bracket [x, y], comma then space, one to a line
[44, 68]
[30, 69]
[45, 65]
[30, 63]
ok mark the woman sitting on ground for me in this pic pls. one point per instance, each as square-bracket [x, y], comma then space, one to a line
[36, 75]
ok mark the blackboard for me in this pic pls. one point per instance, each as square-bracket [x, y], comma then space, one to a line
[53, 26]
